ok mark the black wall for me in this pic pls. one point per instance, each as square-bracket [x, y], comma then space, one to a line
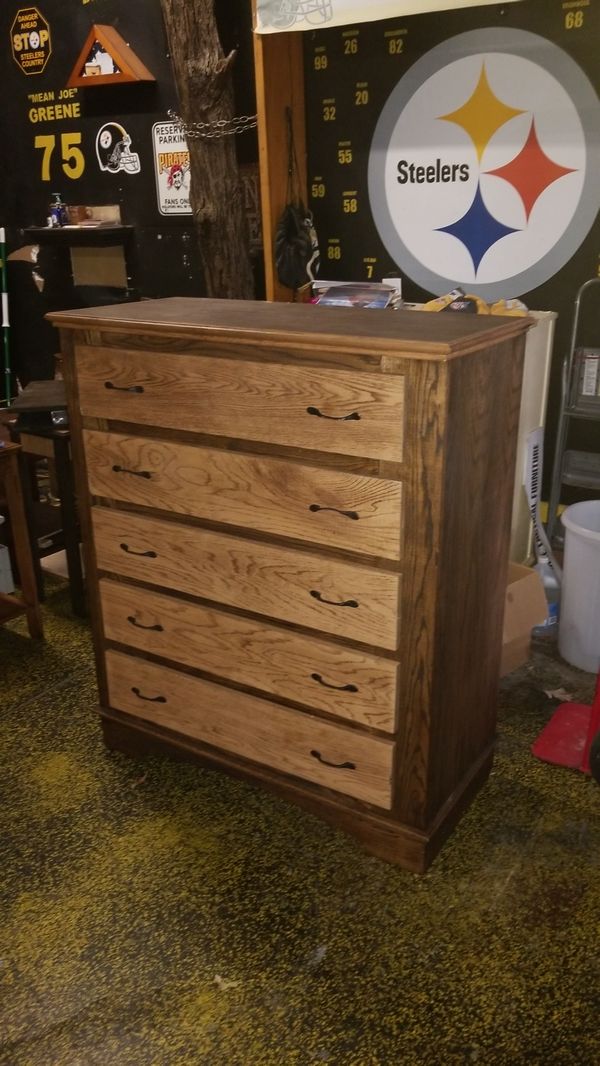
[370, 64]
[163, 255]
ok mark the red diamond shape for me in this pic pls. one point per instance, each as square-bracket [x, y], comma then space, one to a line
[531, 171]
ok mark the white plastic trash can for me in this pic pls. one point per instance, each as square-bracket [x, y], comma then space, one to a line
[579, 625]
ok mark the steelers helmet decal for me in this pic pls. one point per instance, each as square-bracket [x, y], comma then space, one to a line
[281, 14]
[113, 149]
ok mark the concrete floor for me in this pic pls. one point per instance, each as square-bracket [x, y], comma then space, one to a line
[160, 915]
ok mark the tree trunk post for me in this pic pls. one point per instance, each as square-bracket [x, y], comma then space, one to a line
[205, 88]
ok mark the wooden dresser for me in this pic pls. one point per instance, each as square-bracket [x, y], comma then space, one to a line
[297, 523]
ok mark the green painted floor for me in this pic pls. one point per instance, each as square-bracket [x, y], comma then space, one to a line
[160, 915]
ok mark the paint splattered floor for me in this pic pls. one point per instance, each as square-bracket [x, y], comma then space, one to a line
[160, 915]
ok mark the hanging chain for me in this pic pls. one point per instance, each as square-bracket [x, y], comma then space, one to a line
[219, 127]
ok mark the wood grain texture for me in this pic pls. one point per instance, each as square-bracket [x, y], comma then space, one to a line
[246, 591]
[328, 677]
[272, 495]
[378, 832]
[265, 579]
[254, 401]
[258, 349]
[350, 464]
[480, 455]
[279, 77]
[292, 742]
[418, 334]
[425, 436]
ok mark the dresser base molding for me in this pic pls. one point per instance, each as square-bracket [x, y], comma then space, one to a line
[379, 835]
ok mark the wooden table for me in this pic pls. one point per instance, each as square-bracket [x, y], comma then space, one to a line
[10, 486]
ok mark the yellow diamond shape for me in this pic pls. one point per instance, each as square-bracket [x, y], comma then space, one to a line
[482, 114]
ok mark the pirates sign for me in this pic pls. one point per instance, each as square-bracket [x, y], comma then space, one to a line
[172, 169]
[30, 40]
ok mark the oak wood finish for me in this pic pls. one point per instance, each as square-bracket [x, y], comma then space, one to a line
[343, 681]
[328, 410]
[320, 506]
[342, 759]
[379, 833]
[248, 593]
[279, 79]
[301, 328]
[275, 582]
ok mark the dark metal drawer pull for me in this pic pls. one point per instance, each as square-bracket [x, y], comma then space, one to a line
[354, 417]
[136, 473]
[123, 388]
[336, 765]
[338, 688]
[333, 603]
[146, 555]
[347, 514]
[151, 699]
[134, 622]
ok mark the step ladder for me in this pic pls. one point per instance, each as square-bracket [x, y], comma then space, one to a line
[580, 399]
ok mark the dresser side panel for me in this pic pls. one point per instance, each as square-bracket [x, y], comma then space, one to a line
[483, 413]
[426, 388]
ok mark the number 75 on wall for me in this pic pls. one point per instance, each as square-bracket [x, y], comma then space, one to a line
[73, 159]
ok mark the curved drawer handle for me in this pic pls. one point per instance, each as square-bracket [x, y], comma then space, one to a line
[347, 514]
[337, 688]
[150, 699]
[123, 388]
[335, 765]
[134, 622]
[130, 551]
[354, 417]
[137, 473]
[333, 603]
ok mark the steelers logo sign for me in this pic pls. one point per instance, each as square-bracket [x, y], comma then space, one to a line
[484, 164]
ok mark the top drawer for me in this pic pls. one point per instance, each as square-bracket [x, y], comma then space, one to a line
[330, 410]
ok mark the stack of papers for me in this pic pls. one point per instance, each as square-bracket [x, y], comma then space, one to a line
[353, 294]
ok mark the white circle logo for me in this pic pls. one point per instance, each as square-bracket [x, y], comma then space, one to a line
[483, 168]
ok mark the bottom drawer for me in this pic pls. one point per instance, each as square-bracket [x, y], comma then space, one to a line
[346, 760]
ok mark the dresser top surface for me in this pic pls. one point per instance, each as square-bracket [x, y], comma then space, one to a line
[418, 333]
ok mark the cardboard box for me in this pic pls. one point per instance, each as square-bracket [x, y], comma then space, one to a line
[525, 608]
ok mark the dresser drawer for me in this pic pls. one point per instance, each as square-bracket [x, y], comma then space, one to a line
[343, 411]
[329, 677]
[296, 586]
[346, 760]
[348, 511]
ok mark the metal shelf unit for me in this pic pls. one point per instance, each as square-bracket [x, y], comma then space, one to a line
[580, 399]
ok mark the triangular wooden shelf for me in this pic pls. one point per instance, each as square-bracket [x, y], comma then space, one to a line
[124, 58]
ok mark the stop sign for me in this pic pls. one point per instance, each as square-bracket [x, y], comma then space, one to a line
[30, 40]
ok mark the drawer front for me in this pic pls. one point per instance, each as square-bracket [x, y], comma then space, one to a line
[340, 411]
[329, 677]
[323, 506]
[342, 598]
[346, 760]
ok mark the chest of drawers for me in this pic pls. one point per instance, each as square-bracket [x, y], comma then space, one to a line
[297, 523]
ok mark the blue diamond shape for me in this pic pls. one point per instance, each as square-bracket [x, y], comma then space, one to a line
[478, 230]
